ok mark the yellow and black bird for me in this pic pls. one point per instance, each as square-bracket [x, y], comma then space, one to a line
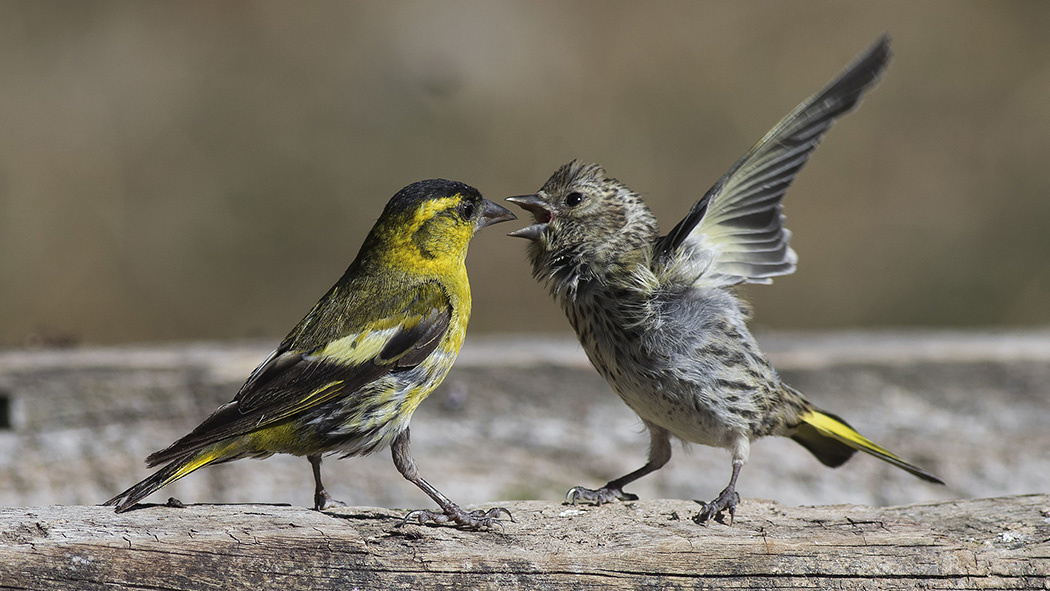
[657, 315]
[348, 377]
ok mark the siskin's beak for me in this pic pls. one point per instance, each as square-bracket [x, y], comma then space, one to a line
[538, 208]
[492, 213]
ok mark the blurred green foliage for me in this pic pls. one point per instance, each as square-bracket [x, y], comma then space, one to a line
[205, 170]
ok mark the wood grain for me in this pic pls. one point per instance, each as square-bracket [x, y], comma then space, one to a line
[997, 543]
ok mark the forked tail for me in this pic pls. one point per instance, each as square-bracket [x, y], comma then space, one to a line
[833, 442]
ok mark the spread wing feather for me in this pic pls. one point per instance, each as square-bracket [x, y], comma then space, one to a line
[735, 233]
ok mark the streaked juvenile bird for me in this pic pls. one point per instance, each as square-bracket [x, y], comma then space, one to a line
[348, 377]
[658, 315]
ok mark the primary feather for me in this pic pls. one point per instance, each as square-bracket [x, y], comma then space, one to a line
[735, 233]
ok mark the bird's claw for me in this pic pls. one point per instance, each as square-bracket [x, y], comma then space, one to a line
[323, 500]
[726, 501]
[473, 519]
[599, 496]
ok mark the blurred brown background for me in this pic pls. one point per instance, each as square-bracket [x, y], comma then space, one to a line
[205, 170]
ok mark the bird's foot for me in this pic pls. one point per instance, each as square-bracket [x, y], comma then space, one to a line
[323, 500]
[454, 515]
[726, 501]
[598, 497]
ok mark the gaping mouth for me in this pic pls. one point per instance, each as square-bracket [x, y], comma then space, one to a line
[534, 205]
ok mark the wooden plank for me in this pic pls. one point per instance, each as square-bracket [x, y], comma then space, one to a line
[997, 543]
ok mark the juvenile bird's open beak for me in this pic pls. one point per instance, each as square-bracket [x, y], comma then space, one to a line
[493, 213]
[534, 205]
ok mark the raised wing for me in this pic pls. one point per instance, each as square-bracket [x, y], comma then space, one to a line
[290, 382]
[735, 233]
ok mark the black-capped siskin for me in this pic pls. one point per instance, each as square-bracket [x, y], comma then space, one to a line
[657, 315]
[348, 377]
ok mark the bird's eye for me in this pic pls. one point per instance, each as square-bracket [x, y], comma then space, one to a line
[573, 199]
[466, 209]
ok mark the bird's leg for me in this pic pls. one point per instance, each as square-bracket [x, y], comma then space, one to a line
[725, 501]
[451, 513]
[659, 454]
[322, 500]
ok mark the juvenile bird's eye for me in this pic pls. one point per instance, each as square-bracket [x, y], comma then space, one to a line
[573, 199]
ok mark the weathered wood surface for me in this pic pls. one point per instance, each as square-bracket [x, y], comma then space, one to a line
[1000, 543]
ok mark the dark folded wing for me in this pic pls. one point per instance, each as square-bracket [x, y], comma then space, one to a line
[290, 382]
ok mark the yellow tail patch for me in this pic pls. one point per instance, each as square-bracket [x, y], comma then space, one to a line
[836, 429]
[202, 459]
[829, 426]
